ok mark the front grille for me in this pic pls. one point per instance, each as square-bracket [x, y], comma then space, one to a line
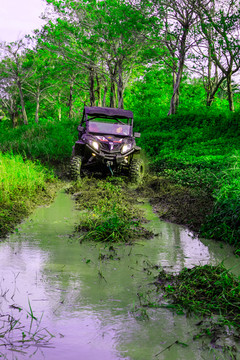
[115, 148]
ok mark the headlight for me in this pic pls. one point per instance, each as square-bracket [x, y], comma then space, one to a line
[94, 144]
[126, 148]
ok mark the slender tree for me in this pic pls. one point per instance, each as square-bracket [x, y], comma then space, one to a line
[220, 26]
[13, 70]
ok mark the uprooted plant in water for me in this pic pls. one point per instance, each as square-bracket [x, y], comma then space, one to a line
[209, 293]
[204, 290]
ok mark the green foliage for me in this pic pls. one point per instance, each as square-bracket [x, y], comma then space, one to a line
[150, 95]
[193, 177]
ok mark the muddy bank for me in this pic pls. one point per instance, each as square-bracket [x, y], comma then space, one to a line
[180, 205]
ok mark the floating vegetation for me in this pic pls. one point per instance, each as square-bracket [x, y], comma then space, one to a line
[16, 336]
[203, 290]
[20, 329]
[211, 293]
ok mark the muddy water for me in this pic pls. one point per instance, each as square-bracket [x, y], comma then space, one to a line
[86, 301]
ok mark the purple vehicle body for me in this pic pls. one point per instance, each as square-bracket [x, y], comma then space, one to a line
[106, 143]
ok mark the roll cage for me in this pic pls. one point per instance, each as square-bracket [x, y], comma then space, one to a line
[124, 117]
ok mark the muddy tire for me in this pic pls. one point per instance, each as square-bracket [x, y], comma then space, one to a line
[136, 170]
[75, 168]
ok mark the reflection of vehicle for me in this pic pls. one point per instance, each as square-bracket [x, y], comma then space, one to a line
[106, 141]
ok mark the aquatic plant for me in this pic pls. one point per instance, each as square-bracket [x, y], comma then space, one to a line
[20, 329]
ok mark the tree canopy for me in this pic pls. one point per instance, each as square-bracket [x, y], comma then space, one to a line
[95, 53]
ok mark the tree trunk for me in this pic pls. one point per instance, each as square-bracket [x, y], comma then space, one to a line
[212, 85]
[104, 96]
[13, 113]
[91, 87]
[230, 92]
[71, 100]
[112, 72]
[37, 104]
[120, 87]
[209, 79]
[14, 117]
[210, 99]
[59, 114]
[175, 97]
[214, 89]
[98, 91]
[112, 94]
[24, 114]
[59, 107]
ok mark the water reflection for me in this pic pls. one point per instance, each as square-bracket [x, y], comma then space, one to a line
[86, 303]
[177, 246]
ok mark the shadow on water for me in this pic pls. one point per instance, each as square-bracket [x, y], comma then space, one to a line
[86, 299]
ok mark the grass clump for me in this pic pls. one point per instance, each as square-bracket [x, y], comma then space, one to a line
[22, 185]
[108, 215]
[110, 226]
[203, 290]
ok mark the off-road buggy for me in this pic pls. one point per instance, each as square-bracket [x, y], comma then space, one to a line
[106, 143]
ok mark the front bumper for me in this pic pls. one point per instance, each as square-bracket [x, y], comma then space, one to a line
[109, 157]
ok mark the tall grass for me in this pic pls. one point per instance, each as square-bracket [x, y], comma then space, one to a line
[22, 183]
[47, 141]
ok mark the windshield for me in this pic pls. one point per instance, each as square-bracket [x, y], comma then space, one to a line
[109, 128]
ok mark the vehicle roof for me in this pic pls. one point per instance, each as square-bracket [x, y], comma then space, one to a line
[109, 112]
